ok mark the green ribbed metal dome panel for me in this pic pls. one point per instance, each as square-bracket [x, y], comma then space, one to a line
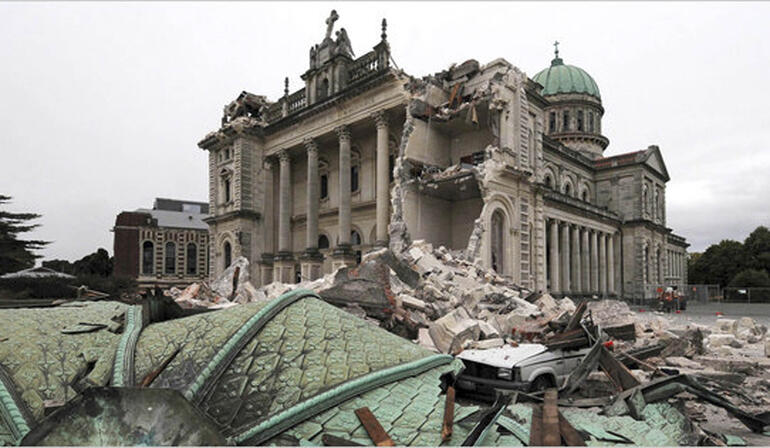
[562, 78]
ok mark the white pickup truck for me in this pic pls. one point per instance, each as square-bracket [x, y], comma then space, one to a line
[526, 367]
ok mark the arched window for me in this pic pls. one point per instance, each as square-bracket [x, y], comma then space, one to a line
[590, 121]
[567, 189]
[565, 121]
[548, 181]
[552, 122]
[584, 195]
[192, 259]
[228, 254]
[355, 169]
[170, 258]
[148, 258]
[580, 120]
[323, 241]
[497, 241]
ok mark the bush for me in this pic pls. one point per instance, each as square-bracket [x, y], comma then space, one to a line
[751, 278]
[113, 286]
[37, 288]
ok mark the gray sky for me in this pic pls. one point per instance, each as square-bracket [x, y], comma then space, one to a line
[102, 104]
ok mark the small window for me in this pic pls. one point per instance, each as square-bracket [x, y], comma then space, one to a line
[552, 122]
[228, 254]
[324, 186]
[590, 121]
[548, 181]
[192, 259]
[323, 242]
[580, 120]
[170, 258]
[354, 178]
[584, 196]
[148, 257]
[228, 196]
[568, 189]
[565, 121]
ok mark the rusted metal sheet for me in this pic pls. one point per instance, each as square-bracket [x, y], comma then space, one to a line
[374, 428]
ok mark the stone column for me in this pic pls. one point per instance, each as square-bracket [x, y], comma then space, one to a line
[266, 265]
[575, 268]
[585, 262]
[383, 179]
[594, 263]
[565, 259]
[343, 254]
[611, 264]
[311, 259]
[554, 254]
[603, 264]
[283, 266]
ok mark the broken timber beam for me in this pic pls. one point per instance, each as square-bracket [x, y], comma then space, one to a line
[536, 426]
[616, 371]
[551, 433]
[577, 316]
[373, 427]
[569, 433]
[449, 413]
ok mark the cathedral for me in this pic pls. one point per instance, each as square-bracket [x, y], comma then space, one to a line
[507, 169]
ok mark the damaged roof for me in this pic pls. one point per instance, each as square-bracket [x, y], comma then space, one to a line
[287, 371]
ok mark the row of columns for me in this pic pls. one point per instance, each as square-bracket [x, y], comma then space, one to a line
[581, 260]
[343, 253]
[676, 262]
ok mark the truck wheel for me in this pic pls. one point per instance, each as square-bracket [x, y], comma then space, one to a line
[541, 383]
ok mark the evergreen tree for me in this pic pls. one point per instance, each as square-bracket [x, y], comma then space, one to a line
[17, 254]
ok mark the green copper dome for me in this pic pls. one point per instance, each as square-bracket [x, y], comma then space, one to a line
[562, 78]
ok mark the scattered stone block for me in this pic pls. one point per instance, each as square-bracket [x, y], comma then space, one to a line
[450, 332]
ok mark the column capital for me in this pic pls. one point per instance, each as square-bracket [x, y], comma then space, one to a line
[380, 118]
[268, 163]
[283, 156]
[310, 146]
[343, 132]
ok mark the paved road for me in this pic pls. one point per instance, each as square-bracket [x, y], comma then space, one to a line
[706, 314]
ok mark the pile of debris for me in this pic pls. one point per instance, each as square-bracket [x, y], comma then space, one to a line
[231, 288]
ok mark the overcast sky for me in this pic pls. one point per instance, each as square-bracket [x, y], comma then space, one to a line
[102, 104]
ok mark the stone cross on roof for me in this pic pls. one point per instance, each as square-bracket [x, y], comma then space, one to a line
[330, 23]
[555, 48]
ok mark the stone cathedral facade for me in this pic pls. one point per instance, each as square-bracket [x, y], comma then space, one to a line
[479, 158]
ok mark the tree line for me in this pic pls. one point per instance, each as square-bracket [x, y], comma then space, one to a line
[732, 263]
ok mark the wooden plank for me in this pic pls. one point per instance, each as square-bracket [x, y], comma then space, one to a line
[536, 427]
[373, 427]
[569, 433]
[586, 366]
[449, 414]
[551, 433]
[616, 371]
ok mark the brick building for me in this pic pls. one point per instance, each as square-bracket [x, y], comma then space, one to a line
[166, 245]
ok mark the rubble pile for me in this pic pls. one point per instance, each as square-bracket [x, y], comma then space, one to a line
[231, 288]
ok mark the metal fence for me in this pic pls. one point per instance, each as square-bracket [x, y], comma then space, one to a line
[746, 295]
[692, 293]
